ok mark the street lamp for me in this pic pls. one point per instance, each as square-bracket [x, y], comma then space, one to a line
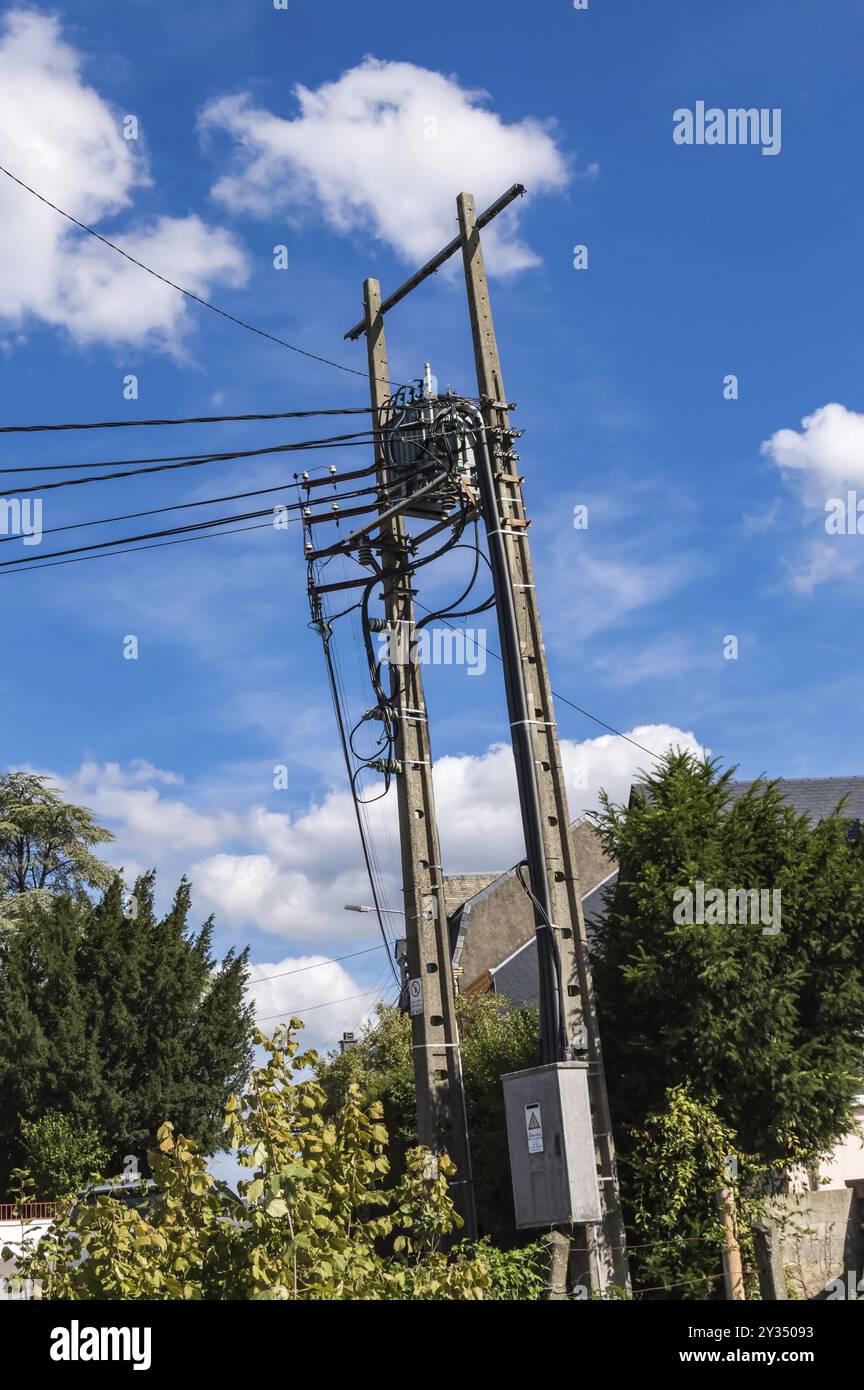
[361, 907]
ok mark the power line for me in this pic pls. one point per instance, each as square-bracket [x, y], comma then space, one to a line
[558, 696]
[338, 498]
[170, 462]
[280, 974]
[22, 560]
[308, 1009]
[232, 318]
[210, 455]
[37, 562]
[188, 420]
[388, 997]
[366, 436]
[183, 506]
[364, 839]
[156, 511]
[158, 545]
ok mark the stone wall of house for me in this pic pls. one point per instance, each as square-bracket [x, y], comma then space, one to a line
[459, 887]
[502, 917]
[822, 1244]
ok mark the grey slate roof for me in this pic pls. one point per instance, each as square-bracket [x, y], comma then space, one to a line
[817, 796]
[516, 977]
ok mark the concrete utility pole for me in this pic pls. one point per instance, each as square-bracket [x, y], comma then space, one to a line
[555, 888]
[441, 1118]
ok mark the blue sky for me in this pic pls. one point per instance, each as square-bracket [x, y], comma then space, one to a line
[706, 515]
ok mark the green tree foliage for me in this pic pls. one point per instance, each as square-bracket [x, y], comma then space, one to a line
[60, 1155]
[118, 1020]
[313, 1221]
[46, 845]
[518, 1275]
[764, 1031]
[682, 1158]
[496, 1038]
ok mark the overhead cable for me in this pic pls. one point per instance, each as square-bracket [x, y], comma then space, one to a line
[205, 303]
[187, 420]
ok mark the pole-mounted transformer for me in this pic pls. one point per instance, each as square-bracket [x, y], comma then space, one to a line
[420, 443]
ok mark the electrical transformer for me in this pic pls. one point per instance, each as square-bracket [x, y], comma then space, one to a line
[425, 435]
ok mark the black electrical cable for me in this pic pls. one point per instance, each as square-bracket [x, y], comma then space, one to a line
[301, 969]
[36, 560]
[401, 571]
[133, 550]
[23, 560]
[386, 709]
[384, 702]
[595, 719]
[367, 436]
[361, 808]
[205, 303]
[309, 1008]
[191, 526]
[183, 506]
[387, 702]
[451, 611]
[551, 931]
[328, 657]
[187, 420]
[347, 441]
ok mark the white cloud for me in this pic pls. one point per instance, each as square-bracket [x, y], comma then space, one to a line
[595, 592]
[253, 888]
[663, 659]
[477, 804]
[299, 870]
[100, 297]
[290, 874]
[757, 523]
[305, 868]
[824, 461]
[149, 826]
[319, 990]
[827, 455]
[825, 560]
[65, 140]
[612, 764]
[386, 148]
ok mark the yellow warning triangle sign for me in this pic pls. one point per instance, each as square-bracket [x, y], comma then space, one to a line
[534, 1122]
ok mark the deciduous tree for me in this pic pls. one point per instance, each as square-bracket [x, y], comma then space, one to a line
[313, 1221]
[46, 844]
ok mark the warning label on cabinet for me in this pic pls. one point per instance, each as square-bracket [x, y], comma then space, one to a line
[534, 1129]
